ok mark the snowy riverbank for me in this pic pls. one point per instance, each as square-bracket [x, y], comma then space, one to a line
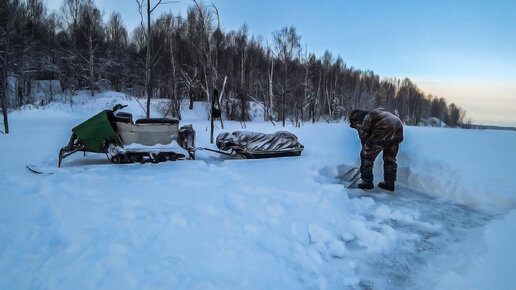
[285, 223]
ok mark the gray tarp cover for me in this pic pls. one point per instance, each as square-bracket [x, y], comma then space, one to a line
[258, 142]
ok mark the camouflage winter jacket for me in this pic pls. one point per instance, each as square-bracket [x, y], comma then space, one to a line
[380, 127]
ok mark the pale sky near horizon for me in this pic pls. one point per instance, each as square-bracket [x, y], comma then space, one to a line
[464, 51]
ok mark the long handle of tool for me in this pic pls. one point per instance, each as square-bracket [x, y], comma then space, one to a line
[216, 151]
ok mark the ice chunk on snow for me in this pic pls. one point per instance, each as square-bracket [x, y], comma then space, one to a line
[336, 248]
[319, 234]
[373, 239]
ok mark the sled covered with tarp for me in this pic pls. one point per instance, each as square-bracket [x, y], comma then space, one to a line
[255, 145]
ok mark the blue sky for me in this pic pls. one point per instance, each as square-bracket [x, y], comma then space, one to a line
[462, 50]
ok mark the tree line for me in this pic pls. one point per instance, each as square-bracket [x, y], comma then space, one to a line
[186, 58]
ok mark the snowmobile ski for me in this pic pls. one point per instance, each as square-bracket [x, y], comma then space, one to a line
[34, 169]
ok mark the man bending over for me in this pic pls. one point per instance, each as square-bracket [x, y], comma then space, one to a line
[379, 131]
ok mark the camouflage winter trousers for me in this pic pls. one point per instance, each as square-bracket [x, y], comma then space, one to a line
[369, 153]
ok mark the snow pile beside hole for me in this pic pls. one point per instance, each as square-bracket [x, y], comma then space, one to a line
[467, 166]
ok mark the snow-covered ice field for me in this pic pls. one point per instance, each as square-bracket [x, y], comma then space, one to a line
[287, 223]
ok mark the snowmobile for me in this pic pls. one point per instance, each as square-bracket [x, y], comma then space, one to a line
[125, 141]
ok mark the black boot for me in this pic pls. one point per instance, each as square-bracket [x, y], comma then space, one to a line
[386, 185]
[365, 185]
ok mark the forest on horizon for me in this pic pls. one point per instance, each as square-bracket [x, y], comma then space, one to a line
[189, 57]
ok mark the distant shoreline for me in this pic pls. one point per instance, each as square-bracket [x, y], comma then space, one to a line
[492, 127]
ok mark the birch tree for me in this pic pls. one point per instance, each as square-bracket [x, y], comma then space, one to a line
[287, 47]
[7, 14]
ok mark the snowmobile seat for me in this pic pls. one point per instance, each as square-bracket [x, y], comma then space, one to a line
[124, 117]
[157, 121]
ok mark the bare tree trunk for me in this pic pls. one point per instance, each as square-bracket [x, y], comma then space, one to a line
[219, 99]
[4, 87]
[177, 98]
[329, 102]
[227, 106]
[92, 64]
[215, 96]
[4, 72]
[306, 91]
[19, 91]
[51, 90]
[148, 60]
[271, 94]
[283, 104]
[315, 116]
[148, 64]
[206, 51]
[190, 94]
[243, 91]
[284, 95]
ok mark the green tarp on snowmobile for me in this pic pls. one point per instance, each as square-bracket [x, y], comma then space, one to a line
[94, 131]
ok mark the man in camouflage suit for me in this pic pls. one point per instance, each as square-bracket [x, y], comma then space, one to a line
[379, 131]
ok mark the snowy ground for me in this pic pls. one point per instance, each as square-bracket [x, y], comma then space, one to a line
[217, 223]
